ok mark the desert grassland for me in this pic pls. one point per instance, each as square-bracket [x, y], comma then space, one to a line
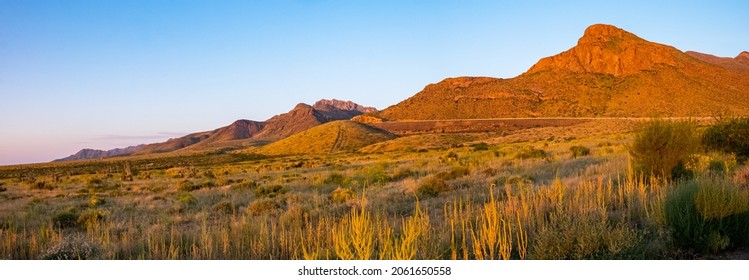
[540, 193]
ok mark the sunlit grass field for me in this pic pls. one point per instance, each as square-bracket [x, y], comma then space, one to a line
[542, 193]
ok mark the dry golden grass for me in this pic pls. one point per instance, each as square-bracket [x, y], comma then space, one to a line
[495, 206]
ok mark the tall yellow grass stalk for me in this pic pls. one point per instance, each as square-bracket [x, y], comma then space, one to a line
[354, 236]
[492, 237]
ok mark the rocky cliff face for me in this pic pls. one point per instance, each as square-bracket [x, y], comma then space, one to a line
[606, 49]
[335, 104]
[610, 72]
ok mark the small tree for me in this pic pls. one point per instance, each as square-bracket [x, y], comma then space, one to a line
[661, 146]
[730, 136]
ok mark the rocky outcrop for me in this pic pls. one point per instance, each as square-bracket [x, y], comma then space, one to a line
[607, 49]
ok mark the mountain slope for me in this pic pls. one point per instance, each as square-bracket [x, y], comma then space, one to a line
[242, 132]
[332, 137]
[610, 72]
[304, 117]
[93, 154]
[738, 63]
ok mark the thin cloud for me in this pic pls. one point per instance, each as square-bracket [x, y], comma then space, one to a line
[159, 135]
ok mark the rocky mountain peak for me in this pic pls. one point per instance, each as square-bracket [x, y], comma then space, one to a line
[327, 104]
[743, 55]
[607, 49]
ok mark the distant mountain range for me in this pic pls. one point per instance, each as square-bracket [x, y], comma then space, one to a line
[91, 153]
[609, 73]
[300, 118]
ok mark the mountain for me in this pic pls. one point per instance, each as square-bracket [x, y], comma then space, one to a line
[335, 104]
[93, 154]
[610, 72]
[332, 137]
[739, 63]
[304, 117]
[299, 119]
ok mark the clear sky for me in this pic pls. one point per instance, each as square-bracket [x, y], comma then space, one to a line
[106, 74]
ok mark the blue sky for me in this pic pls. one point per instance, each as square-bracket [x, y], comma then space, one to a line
[105, 74]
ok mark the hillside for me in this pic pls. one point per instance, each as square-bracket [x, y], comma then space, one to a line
[243, 132]
[610, 72]
[93, 154]
[332, 137]
[301, 118]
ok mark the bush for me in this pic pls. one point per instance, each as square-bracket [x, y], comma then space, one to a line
[660, 146]
[452, 174]
[403, 173]
[75, 247]
[244, 185]
[336, 179]
[186, 198]
[431, 187]
[341, 195]
[708, 214]
[480, 146]
[579, 151]
[225, 207]
[375, 174]
[531, 152]
[41, 185]
[65, 219]
[729, 136]
[188, 186]
[90, 218]
[262, 206]
[269, 191]
[94, 201]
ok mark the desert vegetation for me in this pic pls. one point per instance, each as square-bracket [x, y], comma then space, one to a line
[662, 190]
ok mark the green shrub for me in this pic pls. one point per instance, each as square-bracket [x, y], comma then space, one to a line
[431, 187]
[65, 219]
[375, 174]
[403, 173]
[579, 151]
[515, 180]
[336, 179]
[582, 237]
[341, 195]
[729, 136]
[42, 185]
[95, 200]
[225, 207]
[708, 214]
[269, 191]
[91, 217]
[452, 174]
[480, 146]
[262, 206]
[245, 185]
[188, 186]
[530, 153]
[186, 198]
[660, 146]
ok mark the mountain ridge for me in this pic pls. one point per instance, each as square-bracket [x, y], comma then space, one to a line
[298, 119]
[609, 73]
